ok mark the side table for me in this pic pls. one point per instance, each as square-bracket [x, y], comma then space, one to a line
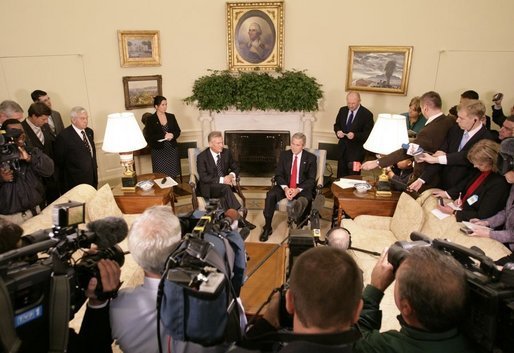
[139, 200]
[349, 202]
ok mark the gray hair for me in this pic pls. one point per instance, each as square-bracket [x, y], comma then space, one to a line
[299, 136]
[152, 237]
[338, 237]
[75, 111]
[9, 107]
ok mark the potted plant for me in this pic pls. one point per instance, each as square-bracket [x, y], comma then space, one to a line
[284, 91]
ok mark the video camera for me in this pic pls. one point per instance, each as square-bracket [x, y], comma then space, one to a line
[44, 276]
[491, 297]
[9, 153]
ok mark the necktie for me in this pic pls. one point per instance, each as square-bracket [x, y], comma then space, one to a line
[218, 166]
[465, 138]
[86, 143]
[349, 120]
[40, 135]
[294, 174]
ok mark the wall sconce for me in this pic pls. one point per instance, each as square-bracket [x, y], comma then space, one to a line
[388, 135]
[123, 136]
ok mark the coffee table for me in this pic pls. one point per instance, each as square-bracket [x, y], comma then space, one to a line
[266, 269]
[139, 200]
[352, 204]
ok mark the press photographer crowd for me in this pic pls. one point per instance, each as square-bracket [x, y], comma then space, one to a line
[449, 298]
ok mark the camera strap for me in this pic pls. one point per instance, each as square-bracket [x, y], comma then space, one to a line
[59, 313]
[8, 338]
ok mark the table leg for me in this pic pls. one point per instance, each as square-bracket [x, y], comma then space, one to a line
[337, 213]
[172, 199]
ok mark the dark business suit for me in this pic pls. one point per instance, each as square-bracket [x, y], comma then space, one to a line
[430, 138]
[76, 165]
[58, 124]
[458, 167]
[51, 183]
[352, 150]
[307, 180]
[492, 196]
[153, 130]
[209, 183]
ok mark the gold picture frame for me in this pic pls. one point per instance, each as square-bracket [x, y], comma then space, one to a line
[139, 48]
[140, 90]
[379, 69]
[255, 35]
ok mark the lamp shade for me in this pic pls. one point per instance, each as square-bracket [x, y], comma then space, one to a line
[122, 134]
[388, 134]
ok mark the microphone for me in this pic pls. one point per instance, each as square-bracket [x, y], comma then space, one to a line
[317, 205]
[417, 236]
[109, 231]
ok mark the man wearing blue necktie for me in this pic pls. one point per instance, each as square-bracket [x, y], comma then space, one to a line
[352, 127]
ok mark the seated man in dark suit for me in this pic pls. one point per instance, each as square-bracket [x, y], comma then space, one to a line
[217, 171]
[294, 178]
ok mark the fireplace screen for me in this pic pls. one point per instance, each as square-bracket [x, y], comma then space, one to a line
[257, 151]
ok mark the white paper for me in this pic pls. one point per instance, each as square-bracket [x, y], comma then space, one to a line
[347, 183]
[167, 184]
[439, 214]
[454, 207]
[161, 140]
[474, 226]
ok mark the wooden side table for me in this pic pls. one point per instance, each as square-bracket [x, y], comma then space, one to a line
[139, 200]
[262, 280]
[349, 202]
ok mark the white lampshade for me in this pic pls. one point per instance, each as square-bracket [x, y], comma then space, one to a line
[388, 134]
[122, 134]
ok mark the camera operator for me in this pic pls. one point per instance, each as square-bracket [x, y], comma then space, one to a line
[430, 292]
[324, 307]
[21, 188]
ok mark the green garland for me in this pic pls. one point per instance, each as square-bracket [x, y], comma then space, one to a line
[284, 91]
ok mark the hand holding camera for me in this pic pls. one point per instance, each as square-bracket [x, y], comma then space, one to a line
[382, 275]
[110, 278]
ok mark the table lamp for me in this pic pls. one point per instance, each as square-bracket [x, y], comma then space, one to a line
[388, 135]
[123, 136]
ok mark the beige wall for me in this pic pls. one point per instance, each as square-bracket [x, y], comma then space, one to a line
[70, 49]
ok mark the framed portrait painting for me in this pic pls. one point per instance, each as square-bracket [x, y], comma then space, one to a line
[255, 35]
[378, 69]
[140, 90]
[139, 48]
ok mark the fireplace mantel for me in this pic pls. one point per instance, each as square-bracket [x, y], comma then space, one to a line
[257, 120]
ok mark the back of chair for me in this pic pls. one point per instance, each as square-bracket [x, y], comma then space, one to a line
[322, 164]
[192, 154]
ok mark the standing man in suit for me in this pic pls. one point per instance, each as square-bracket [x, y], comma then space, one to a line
[352, 127]
[10, 110]
[39, 135]
[430, 139]
[294, 178]
[54, 119]
[75, 152]
[450, 162]
[217, 171]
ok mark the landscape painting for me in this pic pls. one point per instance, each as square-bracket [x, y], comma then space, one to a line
[140, 90]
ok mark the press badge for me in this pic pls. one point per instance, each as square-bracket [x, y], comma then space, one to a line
[471, 200]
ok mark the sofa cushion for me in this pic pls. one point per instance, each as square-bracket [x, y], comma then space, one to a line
[408, 217]
[433, 226]
[103, 204]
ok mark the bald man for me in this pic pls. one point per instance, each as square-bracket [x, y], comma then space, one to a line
[352, 127]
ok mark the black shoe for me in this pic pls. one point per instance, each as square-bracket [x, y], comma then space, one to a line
[241, 223]
[266, 232]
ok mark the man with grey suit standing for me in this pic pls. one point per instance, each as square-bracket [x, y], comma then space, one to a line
[54, 119]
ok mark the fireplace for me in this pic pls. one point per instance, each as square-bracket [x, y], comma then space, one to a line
[257, 151]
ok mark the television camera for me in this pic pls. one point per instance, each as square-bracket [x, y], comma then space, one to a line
[44, 282]
[9, 153]
[490, 320]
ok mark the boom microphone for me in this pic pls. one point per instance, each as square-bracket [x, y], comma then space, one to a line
[109, 231]
[417, 236]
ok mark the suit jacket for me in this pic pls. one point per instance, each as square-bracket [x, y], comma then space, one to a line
[430, 138]
[208, 172]
[153, 130]
[34, 141]
[458, 166]
[492, 196]
[59, 125]
[362, 124]
[76, 166]
[307, 171]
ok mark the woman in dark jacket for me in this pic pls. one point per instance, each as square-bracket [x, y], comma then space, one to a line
[161, 132]
[484, 192]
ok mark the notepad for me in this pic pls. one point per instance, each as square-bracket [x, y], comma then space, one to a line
[168, 182]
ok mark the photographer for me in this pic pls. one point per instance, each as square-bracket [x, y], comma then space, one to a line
[430, 292]
[21, 188]
[324, 307]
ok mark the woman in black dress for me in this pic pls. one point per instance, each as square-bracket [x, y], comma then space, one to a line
[161, 132]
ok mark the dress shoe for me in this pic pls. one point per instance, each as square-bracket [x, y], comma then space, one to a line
[266, 232]
[241, 223]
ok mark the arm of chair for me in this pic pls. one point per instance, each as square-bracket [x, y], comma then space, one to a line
[239, 191]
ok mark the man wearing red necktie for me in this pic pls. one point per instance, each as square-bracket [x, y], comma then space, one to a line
[295, 178]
